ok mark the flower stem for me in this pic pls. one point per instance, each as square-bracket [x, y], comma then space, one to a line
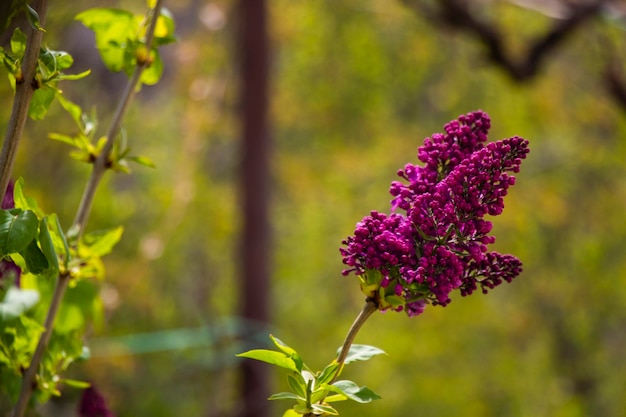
[368, 309]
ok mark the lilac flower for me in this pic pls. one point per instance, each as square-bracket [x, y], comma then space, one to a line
[406, 261]
[93, 404]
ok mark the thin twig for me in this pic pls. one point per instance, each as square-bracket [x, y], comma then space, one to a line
[100, 166]
[102, 161]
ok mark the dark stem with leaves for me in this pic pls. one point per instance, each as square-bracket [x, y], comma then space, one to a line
[25, 86]
[101, 164]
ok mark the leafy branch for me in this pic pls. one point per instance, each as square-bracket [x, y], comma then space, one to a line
[28, 237]
[314, 391]
[24, 89]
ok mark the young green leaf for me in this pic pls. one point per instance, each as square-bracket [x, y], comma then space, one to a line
[297, 385]
[353, 391]
[361, 353]
[289, 351]
[327, 373]
[23, 202]
[17, 229]
[291, 413]
[114, 29]
[323, 408]
[75, 383]
[142, 160]
[101, 243]
[284, 396]
[41, 102]
[272, 357]
[18, 43]
[58, 239]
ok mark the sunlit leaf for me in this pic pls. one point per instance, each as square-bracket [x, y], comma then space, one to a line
[58, 238]
[113, 29]
[354, 392]
[283, 346]
[152, 74]
[272, 357]
[361, 353]
[297, 385]
[291, 413]
[142, 160]
[101, 243]
[71, 77]
[321, 408]
[41, 101]
[18, 43]
[285, 396]
[328, 373]
[75, 383]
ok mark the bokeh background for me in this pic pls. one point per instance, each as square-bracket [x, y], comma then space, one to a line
[355, 88]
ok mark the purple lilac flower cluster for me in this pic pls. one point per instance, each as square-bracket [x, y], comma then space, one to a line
[439, 244]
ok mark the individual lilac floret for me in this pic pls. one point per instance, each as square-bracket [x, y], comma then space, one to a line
[405, 262]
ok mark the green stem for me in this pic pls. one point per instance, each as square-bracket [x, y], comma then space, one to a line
[82, 214]
[368, 309]
[101, 163]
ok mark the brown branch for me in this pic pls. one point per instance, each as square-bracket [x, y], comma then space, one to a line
[456, 14]
[24, 90]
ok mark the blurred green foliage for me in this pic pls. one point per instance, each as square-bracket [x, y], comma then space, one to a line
[356, 86]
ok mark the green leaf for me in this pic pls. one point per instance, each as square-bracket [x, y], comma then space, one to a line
[361, 353]
[354, 392]
[17, 229]
[152, 74]
[289, 351]
[36, 261]
[142, 160]
[16, 302]
[285, 396]
[327, 373]
[297, 385]
[101, 243]
[283, 346]
[291, 413]
[47, 246]
[395, 300]
[41, 102]
[72, 77]
[18, 42]
[324, 409]
[113, 29]
[33, 19]
[75, 383]
[272, 357]
[59, 241]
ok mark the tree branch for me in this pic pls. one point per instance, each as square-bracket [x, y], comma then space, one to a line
[24, 89]
[457, 15]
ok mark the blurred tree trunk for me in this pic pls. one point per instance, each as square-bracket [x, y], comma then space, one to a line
[255, 245]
